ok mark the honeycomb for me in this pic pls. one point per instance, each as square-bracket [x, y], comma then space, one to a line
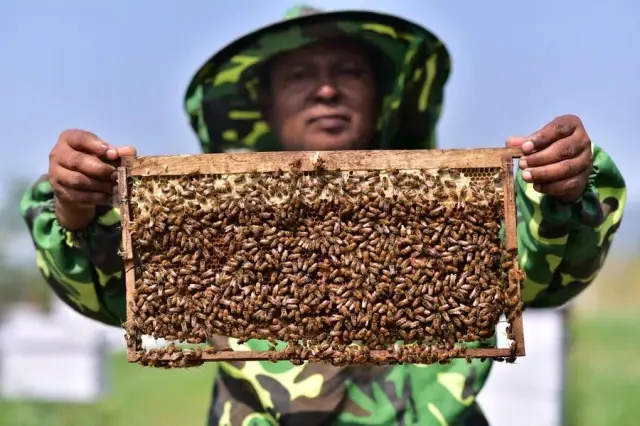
[340, 265]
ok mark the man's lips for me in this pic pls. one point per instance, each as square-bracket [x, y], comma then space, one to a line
[330, 121]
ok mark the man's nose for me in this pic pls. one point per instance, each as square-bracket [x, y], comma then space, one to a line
[326, 90]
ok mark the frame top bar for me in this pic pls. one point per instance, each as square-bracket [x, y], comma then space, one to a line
[176, 165]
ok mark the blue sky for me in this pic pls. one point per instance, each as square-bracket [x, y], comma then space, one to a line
[119, 68]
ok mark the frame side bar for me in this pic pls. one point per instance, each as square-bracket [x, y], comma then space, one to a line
[127, 254]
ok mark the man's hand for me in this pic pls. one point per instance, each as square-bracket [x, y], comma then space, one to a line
[557, 158]
[81, 176]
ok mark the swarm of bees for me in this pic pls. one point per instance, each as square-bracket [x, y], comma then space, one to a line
[340, 265]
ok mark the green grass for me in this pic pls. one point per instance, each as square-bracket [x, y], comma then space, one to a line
[137, 397]
[604, 385]
[604, 365]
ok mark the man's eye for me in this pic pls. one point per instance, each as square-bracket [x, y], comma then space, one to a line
[297, 75]
[352, 71]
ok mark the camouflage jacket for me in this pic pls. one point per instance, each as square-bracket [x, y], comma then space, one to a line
[561, 249]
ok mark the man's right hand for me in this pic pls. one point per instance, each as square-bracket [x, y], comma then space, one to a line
[83, 176]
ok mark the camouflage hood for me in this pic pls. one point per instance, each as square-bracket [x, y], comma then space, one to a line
[221, 100]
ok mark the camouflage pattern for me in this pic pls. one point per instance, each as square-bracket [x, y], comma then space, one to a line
[562, 247]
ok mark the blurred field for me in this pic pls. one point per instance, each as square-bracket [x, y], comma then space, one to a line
[603, 388]
[604, 366]
[604, 361]
[138, 397]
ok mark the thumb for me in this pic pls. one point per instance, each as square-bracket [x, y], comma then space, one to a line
[516, 141]
[127, 151]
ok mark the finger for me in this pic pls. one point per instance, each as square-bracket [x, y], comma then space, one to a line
[566, 190]
[558, 171]
[87, 142]
[81, 198]
[87, 165]
[515, 141]
[127, 151]
[112, 154]
[522, 163]
[564, 149]
[78, 181]
[559, 128]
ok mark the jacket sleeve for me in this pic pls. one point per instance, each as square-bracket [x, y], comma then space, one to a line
[562, 248]
[83, 268]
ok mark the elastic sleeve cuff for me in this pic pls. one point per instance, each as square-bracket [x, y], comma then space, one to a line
[100, 240]
[586, 211]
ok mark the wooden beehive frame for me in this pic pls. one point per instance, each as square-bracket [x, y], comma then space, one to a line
[332, 160]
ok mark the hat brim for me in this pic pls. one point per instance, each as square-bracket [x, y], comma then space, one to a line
[221, 97]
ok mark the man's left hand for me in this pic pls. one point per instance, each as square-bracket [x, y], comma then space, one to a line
[557, 159]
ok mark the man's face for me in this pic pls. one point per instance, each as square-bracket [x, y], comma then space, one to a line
[322, 97]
